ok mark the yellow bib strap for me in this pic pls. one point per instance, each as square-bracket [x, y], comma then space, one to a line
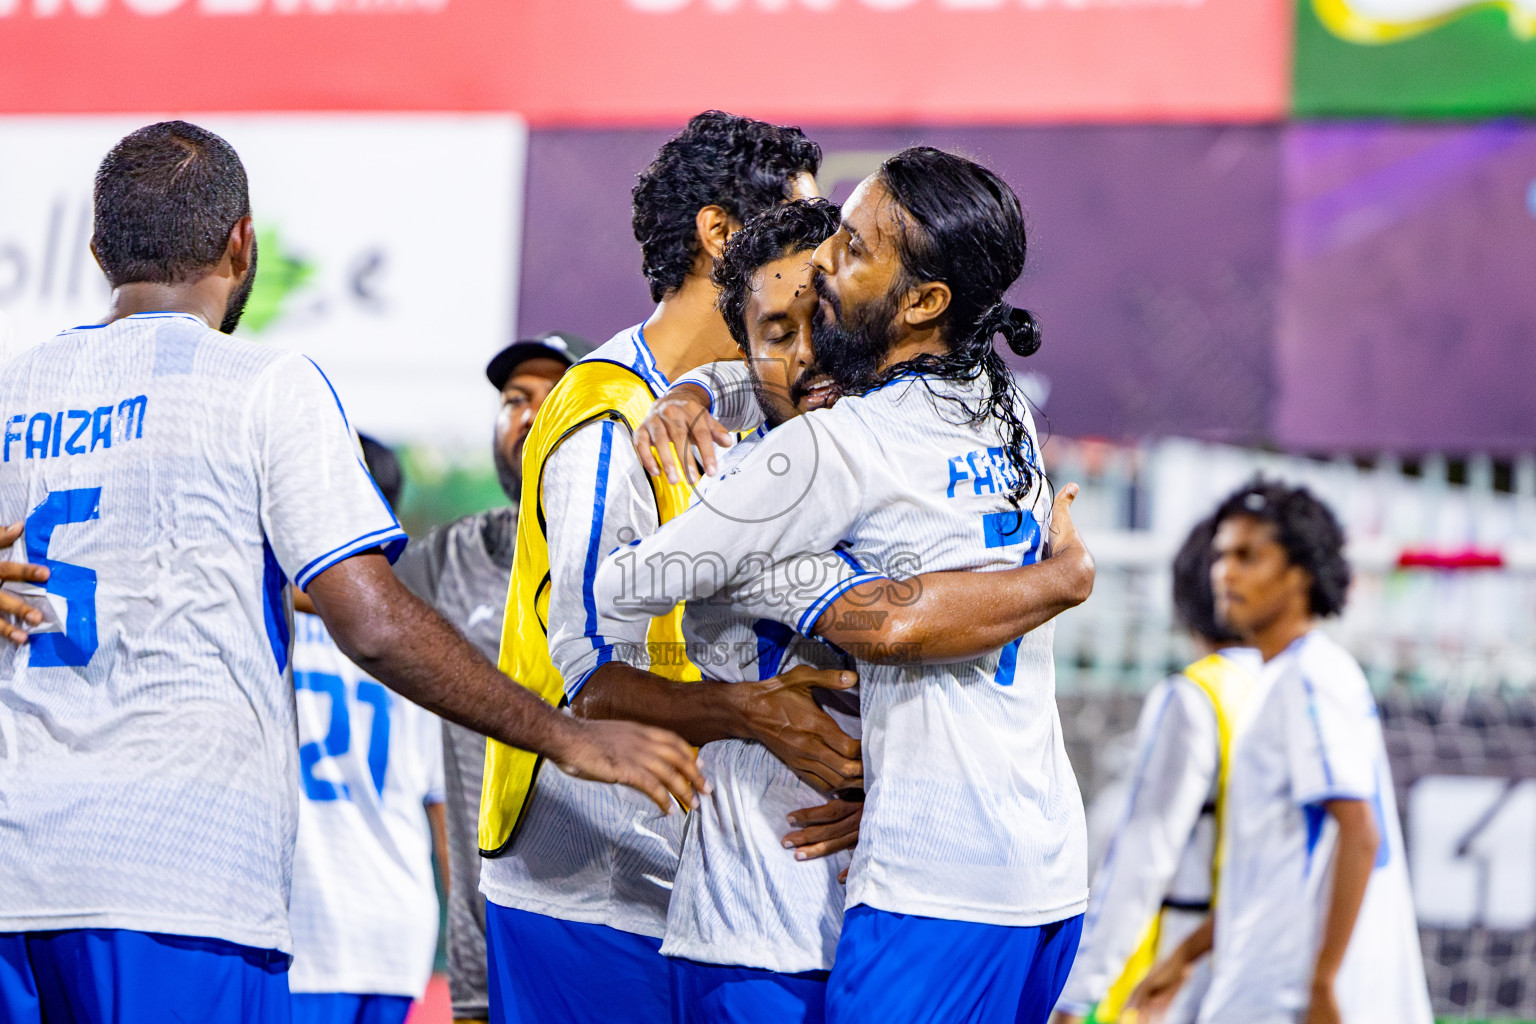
[590, 390]
[1228, 686]
[1136, 968]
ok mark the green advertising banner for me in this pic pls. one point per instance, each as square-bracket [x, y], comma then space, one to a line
[1415, 58]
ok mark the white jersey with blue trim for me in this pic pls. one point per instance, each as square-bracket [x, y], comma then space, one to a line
[973, 812]
[587, 851]
[740, 898]
[174, 480]
[364, 908]
[1312, 735]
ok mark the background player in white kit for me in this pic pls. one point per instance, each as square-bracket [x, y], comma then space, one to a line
[1315, 918]
[1157, 880]
[752, 927]
[174, 480]
[364, 906]
[969, 880]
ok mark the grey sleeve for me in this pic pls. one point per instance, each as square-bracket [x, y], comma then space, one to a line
[419, 568]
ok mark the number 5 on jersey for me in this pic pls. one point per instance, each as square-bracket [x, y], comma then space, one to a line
[74, 583]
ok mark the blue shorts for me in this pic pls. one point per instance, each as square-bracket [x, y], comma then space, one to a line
[346, 1008]
[112, 976]
[904, 969]
[543, 970]
[715, 994]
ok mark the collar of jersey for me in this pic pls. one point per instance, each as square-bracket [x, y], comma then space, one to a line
[153, 314]
[645, 364]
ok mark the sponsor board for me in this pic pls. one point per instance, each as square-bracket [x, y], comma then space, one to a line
[1415, 58]
[387, 250]
[607, 62]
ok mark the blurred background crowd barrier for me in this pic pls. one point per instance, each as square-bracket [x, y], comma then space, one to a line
[1295, 237]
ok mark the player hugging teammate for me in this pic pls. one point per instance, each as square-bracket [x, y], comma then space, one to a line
[881, 824]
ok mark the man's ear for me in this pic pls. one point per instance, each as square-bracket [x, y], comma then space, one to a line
[97, 256]
[926, 304]
[714, 226]
[240, 250]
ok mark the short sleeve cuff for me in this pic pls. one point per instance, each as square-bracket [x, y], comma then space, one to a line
[391, 539]
[809, 617]
[604, 656]
[699, 380]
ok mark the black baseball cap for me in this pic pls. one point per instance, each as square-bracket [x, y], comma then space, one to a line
[559, 345]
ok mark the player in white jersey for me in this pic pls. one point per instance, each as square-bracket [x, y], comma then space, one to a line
[753, 926]
[1156, 883]
[1315, 919]
[969, 879]
[577, 899]
[174, 481]
[364, 906]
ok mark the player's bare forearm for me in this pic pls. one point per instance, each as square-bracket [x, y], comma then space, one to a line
[437, 821]
[699, 712]
[1354, 860]
[779, 713]
[1168, 975]
[400, 641]
[933, 617]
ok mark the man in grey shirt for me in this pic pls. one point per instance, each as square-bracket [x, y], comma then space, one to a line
[462, 569]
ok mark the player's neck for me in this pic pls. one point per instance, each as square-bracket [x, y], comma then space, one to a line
[916, 344]
[1275, 637]
[203, 298]
[686, 330]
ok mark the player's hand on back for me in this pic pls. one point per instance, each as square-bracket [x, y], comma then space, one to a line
[680, 425]
[16, 612]
[825, 829]
[782, 714]
[655, 761]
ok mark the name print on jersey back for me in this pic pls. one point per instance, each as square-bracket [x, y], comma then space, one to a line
[31, 442]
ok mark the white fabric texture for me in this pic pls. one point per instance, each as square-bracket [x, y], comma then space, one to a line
[1160, 838]
[973, 812]
[364, 908]
[1312, 736]
[177, 478]
[740, 898]
[590, 852]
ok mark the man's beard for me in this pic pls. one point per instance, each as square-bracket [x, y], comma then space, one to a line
[772, 401]
[509, 474]
[850, 345]
[235, 308]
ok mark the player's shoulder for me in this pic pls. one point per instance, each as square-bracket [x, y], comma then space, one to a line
[1182, 698]
[1320, 666]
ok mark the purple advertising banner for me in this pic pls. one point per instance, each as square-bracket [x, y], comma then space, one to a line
[1152, 260]
[1408, 308]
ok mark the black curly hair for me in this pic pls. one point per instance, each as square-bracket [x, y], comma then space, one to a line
[1194, 602]
[164, 201]
[778, 231]
[1308, 531]
[961, 224]
[738, 164]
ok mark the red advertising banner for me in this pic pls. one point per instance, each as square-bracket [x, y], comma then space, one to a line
[657, 61]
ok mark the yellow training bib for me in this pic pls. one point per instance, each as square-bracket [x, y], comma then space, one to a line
[591, 390]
